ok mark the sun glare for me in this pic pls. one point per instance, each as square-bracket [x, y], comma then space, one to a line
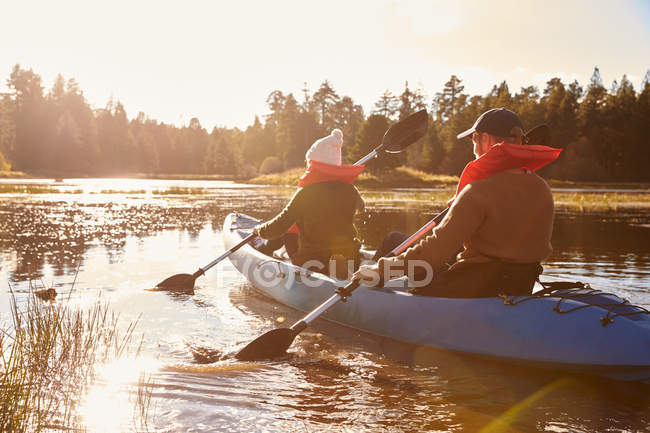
[112, 402]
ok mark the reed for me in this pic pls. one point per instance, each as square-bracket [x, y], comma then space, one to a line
[27, 189]
[602, 201]
[176, 190]
[47, 361]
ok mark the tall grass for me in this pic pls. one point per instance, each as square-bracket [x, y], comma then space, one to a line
[47, 360]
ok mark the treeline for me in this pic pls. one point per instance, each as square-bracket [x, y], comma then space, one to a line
[603, 131]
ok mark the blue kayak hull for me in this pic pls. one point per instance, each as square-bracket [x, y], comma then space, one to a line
[530, 332]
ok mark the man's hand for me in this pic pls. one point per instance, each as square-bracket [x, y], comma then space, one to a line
[256, 231]
[368, 276]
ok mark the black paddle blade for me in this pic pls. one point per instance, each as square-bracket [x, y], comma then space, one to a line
[540, 134]
[178, 282]
[268, 346]
[406, 132]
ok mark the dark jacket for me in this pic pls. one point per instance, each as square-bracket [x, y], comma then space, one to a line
[324, 213]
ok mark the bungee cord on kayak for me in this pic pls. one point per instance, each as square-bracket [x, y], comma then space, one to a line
[580, 292]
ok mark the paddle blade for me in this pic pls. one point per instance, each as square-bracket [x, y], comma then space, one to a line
[178, 282]
[540, 134]
[405, 132]
[268, 346]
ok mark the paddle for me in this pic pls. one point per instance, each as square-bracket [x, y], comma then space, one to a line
[275, 343]
[186, 281]
[397, 138]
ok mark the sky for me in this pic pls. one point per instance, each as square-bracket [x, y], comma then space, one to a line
[219, 60]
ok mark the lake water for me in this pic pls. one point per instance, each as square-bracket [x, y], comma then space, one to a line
[110, 239]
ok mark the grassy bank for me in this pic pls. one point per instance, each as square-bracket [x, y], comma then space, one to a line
[59, 175]
[182, 176]
[601, 201]
[13, 175]
[401, 177]
[570, 201]
[44, 189]
[48, 359]
[554, 183]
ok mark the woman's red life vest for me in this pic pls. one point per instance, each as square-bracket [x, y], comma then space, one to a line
[506, 156]
[321, 172]
[318, 172]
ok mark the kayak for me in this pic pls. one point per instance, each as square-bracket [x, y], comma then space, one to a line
[585, 331]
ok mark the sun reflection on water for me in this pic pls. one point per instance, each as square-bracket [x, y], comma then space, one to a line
[115, 401]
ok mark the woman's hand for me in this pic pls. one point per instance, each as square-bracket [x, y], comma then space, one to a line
[368, 276]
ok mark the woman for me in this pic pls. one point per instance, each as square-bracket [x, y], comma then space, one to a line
[322, 210]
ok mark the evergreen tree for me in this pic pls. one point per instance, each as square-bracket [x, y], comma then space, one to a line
[7, 132]
[325, 100]
[275, 102]
[347, 117]
[433, 151]
[591, 119]
[501, 97]
[27, 96]
[528, 107]
[369, 136]
[290, 138]
[386, 105]
[646, 80]
[449, 102]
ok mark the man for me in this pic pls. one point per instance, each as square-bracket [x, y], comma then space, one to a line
[501, 223]
[323, 209]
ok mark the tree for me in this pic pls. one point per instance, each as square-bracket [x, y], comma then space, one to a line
[646, 80]
[554, 94]
[433, 151]
[347, 117]
[325, 99]
[591, 119]
[221, 156]
[386, 105]
[621, 112]
[449, 102]
[288, 134]
[275, 102]
[7, 131]
[410, 102]
[30, 140]
[369, 136]
[637, 159]
[528, 107]
[500, 96]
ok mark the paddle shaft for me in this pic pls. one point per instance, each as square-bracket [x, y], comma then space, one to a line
[243, 242]
[344, 292]
[371, 155]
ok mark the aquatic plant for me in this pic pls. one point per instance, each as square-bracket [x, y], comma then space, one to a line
[47, 361]
[27, 189]
[174, 190]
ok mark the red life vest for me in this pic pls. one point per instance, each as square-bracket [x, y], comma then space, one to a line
[318, 172]
[321, 172]
[506, 156]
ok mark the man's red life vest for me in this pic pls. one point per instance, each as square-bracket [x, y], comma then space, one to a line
[318, 172]
[506, 156]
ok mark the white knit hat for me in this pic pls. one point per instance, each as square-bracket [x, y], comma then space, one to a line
[327, 149]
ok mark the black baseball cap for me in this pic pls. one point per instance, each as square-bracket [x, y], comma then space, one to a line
[497, 121]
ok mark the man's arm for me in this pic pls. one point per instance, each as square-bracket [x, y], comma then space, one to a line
[463, 220]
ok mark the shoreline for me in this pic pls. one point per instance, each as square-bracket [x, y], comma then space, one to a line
[401, 177]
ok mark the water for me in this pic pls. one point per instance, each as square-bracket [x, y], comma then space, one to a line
[114, 245]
